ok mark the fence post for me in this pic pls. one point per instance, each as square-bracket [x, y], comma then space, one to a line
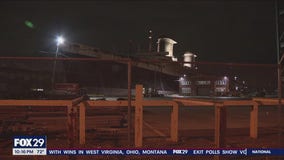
[129, 117]
[254, 120]
[70, 128]
[138, 116]
[82, 124]
[69, 125]
[220, 124]
[174, 122]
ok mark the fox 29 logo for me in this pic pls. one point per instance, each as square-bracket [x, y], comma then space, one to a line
[29, 142]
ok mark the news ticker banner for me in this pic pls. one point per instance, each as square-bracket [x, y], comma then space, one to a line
[115, 152]
[37, 145]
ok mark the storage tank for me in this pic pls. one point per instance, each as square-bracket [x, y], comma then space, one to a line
[189, 57]
[166, 45]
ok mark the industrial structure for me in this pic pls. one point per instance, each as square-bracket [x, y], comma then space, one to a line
[160, 72]
[202, 85]
[166, 65]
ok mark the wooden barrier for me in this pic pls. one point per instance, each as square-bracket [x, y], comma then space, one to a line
[221, 116]
[220, 113]
[70, 113]
[82, 123]
[139, 103]
[138, 117]
[174, 123]
[38, 103]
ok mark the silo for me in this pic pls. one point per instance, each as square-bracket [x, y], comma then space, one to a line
[188, 57]
[166, 45]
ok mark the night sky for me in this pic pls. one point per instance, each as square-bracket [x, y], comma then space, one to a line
[221, 31]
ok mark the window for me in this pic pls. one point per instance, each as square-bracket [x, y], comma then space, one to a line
[220, 82]
[220, 89]
[185, 82]
[203, 82]
[186, 90]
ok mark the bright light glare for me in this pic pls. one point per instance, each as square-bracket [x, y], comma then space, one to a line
[60, 40]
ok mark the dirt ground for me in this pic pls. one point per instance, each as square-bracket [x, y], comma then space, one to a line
[196, 130]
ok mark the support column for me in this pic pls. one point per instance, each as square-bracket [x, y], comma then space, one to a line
[138, 116]
[82, 124]
[129, 117]
[174, 123]
[69, 126]
[220, 125]
[71, 129]
[254, 121]
[74, 117]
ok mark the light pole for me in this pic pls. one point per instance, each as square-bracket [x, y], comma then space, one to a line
[279, 73]
[59, 40]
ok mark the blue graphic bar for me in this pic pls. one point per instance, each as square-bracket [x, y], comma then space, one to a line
[244, 152]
